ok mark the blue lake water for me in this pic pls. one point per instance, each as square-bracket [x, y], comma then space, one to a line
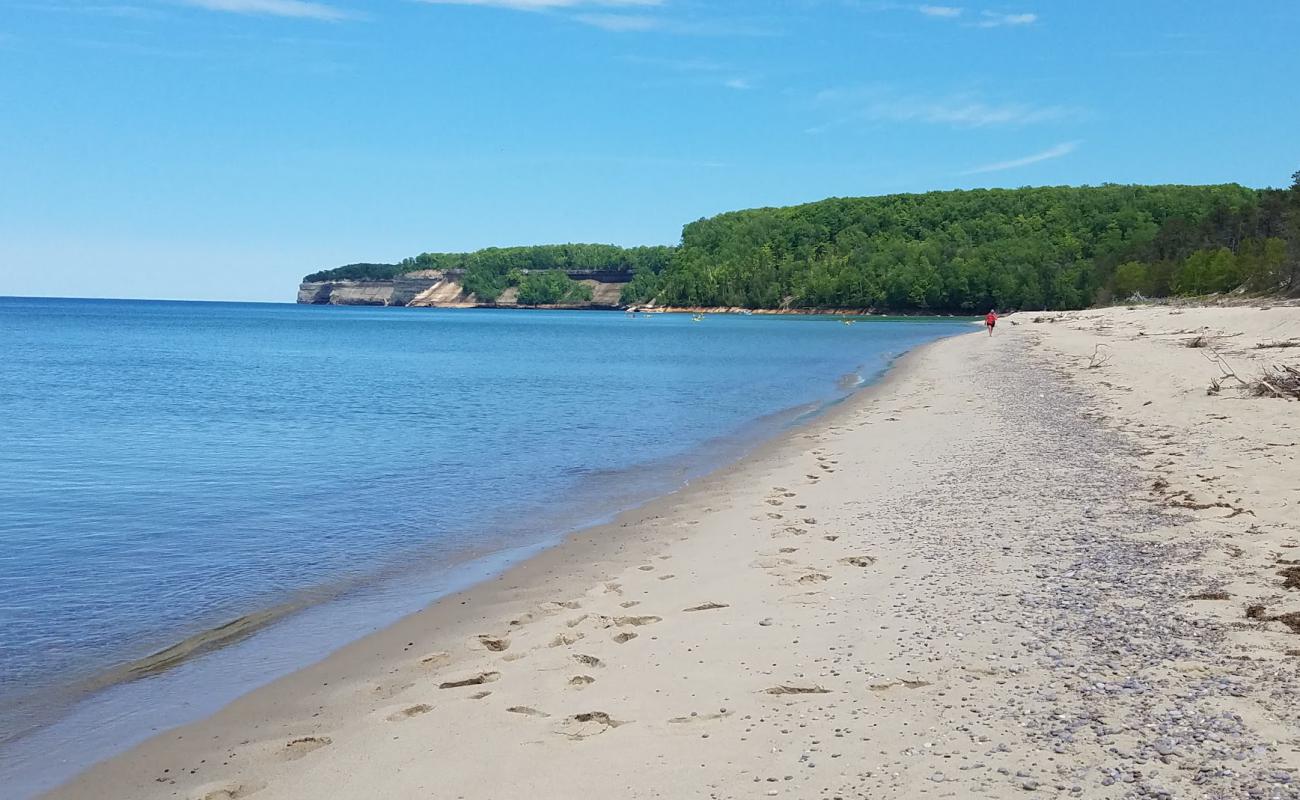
[168, 467]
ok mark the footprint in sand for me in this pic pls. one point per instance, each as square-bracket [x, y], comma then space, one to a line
[493, 643]
[774, 502]
[814, 577]
[581, 681]
[473, 680]
[858, 561]
[527, 712]
[390, 690]
[666, 577]
[788, 550]
[646, 567]
[786, 689]
[831, 538]
[227, 791]
[902, 683]
[551, 607]
[707, 607]
[435, 659]
[774, 515]
[635, 622]
[590, 661]
[586, 725]
[566, 639]
[697, 717]
[407, 713]
[297, 748]
[805, 599]
[625, 637]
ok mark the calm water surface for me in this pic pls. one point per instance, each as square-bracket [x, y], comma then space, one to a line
[168, 467]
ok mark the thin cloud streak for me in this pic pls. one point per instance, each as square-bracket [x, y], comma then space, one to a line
[943, 12]
[1060, 150]
[959, 111]
[298, 9]
[993, 19]
[546, 5]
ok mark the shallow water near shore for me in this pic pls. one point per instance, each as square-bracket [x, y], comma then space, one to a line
[169, 468]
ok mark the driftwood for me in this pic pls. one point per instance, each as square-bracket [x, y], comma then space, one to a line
[1098, 358]
[1279, 380]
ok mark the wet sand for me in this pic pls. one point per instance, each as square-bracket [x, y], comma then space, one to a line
[1006, 570]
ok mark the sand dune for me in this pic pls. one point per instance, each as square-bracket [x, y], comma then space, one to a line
[1043, 563]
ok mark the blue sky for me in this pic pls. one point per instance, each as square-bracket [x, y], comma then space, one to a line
[220, 149]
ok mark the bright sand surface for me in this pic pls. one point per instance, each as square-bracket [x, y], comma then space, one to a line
[975, 579]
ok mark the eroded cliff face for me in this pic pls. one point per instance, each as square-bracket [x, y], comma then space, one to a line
[398, 292]
[440, 290]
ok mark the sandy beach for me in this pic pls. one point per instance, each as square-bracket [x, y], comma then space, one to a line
[1048, 563]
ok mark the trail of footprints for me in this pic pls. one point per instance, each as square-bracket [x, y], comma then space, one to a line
[623, 630]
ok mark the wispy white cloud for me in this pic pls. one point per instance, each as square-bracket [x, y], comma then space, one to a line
[997, 19]
[943, 12]
[621, 16]
[622, 23]
[701, 71]
[122, 10]
[1063, 149]
[960, 111]
[545, 5]
[985, 19]
[302, 9]
[642, 23]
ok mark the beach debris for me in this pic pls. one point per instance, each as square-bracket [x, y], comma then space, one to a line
[1259, 614]
[1100, 357]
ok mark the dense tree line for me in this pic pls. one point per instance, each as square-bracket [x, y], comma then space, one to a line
[1054, 247]
[550, 288]
[959, 251]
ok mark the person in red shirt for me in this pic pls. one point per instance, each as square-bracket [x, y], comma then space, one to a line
[991, 320]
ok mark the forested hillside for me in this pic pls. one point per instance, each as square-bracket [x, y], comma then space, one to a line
[957, 251]
[1036, 248]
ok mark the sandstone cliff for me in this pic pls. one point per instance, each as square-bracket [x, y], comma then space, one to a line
[431, 289]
